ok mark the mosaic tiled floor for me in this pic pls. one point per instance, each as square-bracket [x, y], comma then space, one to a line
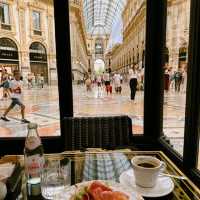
[97, 102]
[42, 108]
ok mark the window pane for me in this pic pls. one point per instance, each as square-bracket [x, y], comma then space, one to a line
[36, 20]
[175, 72]
[4, 13]
[107, 51]
[36, 62]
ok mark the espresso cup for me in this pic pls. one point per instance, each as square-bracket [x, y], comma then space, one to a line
[146, 170]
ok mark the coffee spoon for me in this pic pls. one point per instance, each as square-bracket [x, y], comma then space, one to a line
[174, 176]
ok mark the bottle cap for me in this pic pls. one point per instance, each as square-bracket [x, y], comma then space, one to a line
[32, 126]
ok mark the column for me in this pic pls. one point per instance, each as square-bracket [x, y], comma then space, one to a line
[24, 50]
[52, 53]
[154, 62]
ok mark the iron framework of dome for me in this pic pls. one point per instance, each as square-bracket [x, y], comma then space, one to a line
[100, 15]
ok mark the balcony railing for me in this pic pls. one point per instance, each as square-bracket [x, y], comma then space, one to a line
[5, 26]
[37, 32]
[75, 2]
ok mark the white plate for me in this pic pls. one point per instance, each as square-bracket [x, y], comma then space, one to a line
[163, 187]
[69, 191]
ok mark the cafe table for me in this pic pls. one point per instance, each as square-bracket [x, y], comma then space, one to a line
[110, 165]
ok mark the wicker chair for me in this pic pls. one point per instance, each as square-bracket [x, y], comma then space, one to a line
[97, 132]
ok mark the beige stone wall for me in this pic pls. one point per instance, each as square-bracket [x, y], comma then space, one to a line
[134, 24]
[178, 17]
[22, 32]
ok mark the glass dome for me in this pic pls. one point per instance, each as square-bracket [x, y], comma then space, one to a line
[100, 15]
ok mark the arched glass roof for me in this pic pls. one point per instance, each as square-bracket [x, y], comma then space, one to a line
[100, 15]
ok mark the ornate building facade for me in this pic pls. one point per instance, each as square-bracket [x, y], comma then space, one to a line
[86, 48]
[80, 56]
[97, 44]
[131, 51]
[178, 18]
[27, 38]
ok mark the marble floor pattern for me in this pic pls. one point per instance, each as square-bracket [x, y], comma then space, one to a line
[42, 107]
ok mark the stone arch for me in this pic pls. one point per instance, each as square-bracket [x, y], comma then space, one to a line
[39, 41]
[182, 57]
[38, 60]
[182, 53]
[38, 46]
[12, 39]
[99, 65]
[99, 45]
[9, 54]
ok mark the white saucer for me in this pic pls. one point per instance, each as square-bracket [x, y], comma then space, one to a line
[163, 187]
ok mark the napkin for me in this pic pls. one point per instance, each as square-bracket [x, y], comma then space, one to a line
[14, 181]
[105, 166]
[6, 169]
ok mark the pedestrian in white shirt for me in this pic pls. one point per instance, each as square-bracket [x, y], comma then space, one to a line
[16, 95]
[117, 83]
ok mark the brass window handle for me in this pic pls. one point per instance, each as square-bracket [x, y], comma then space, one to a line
[174, 176]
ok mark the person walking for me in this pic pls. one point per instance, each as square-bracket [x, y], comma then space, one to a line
[40, 80]
[88, 83]
[166, 80]
[178, 79]
[5, 85]
[106, 78]
[16, 95]
[184, 81]
[30, 83]
[98, 80]
[117, 83]
[133, 82]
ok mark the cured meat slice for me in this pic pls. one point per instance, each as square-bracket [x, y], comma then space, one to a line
[98, 184]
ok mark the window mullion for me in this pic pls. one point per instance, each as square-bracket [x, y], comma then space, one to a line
[191, 138]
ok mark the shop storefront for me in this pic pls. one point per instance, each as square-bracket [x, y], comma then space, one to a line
[9, 59]
[182, 57]
[38, 60]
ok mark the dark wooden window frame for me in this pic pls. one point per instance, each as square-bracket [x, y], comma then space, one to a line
[55, 143]
[153, 138]
[153, 124]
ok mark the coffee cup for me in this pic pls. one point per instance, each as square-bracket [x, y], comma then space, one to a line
[146, 170]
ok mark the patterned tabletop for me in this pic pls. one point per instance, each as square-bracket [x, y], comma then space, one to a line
[97, 164]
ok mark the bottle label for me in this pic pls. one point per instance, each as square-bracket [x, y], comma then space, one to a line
[34, 165]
